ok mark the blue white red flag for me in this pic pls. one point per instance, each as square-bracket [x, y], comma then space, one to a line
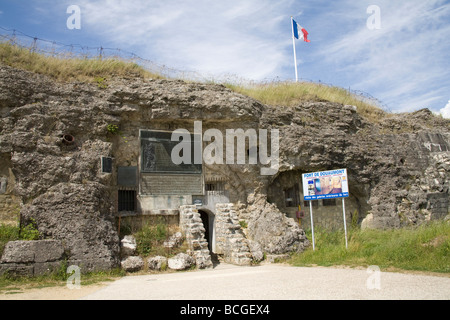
[303, 35]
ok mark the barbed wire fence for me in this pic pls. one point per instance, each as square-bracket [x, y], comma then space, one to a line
[69, 51]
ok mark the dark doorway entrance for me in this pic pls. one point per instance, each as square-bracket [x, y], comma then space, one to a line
[205, 220]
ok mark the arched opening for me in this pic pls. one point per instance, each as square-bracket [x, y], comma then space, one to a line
[208, 222]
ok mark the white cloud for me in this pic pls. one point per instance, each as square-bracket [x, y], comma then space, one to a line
[445, 111]
[404, 64]
[403, 61]
[211, 37]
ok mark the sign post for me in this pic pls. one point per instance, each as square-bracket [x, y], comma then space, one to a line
[345, 224]
[312, 225]
[330, 184]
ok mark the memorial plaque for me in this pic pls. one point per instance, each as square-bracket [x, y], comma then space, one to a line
[176, 184]
[156, 154]
[107, 165]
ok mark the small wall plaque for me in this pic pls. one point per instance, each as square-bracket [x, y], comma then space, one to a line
[107, 164]
[197, 200]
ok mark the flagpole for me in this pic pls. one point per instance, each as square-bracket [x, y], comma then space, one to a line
[293, 45]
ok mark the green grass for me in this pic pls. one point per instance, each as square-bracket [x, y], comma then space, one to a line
[13, 285]
[71, 69]
[13, 233]
[151, 237]
[8, 233]
[292, 94]
[424, 248]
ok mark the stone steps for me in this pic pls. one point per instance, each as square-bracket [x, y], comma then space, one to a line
[230, 240]
[192, 226]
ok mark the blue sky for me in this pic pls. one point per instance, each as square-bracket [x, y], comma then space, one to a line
[405, 63]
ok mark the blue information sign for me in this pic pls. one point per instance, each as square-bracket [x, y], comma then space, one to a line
[330, 184]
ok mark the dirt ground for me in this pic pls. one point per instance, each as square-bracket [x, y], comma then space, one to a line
[51, 293]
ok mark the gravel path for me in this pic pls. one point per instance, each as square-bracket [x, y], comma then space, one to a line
[276, 282]
[265, 282]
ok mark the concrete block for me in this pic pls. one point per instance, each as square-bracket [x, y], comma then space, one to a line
[46, 267]
[14, 269]
[48, 250]
[18, 252]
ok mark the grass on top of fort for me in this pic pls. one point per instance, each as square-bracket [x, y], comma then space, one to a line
[98, 71]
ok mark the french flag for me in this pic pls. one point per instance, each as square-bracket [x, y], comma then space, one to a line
[304, 34]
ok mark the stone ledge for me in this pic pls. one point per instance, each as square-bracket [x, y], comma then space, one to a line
[15, 269]
[18, 252]
[28, 258]
[32, 251]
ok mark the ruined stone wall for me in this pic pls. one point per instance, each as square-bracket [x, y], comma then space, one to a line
[9, 209]
[194, 231]
[427, 197]
[53, 135]
[52, 138]
[9, 203]
[270, 228]
[230, 239]
[389, 160]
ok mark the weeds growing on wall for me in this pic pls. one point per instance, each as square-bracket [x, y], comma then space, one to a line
[7, 233]
[29, 232]
[14, 232]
